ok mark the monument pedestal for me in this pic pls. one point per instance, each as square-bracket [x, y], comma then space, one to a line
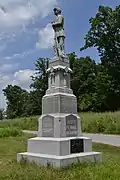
[59, 152]
[60, 141]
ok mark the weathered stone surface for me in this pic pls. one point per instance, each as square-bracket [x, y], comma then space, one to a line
[57, 146]
[59, 142]
[57, 61]
[59, 103]
[62, 127]
[48, 126]
[54, 90]
[60, 161]
[71, 126]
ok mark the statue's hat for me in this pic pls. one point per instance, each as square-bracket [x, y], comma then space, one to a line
[57, 8]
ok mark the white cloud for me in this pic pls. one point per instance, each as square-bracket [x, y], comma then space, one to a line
[4, 81]
[19, 12]
[7, 68]
[2, 47]
[23, 77]
[20, 55]
[45, 38]
[20, 78]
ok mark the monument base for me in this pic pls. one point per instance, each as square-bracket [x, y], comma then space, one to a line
[59, 161]
[59, 152]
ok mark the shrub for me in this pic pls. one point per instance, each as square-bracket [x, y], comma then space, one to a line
[26, 123]
[108, 123]
[10, 131]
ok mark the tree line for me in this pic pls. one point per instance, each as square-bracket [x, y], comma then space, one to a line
[97, 86]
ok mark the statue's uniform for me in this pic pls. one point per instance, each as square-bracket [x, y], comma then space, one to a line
[59, 37]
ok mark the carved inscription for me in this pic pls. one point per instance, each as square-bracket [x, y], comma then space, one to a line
[50, 105]
[68, 105]
[48, 126]
[71, 126]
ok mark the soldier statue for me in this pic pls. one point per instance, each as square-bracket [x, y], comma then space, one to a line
[59, 36]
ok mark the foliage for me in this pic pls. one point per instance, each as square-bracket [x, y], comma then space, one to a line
[40, 80]
[91, 84]
[104, 34]
[106, 123]
[33, 104]
[83, 80]
[11, 170]
[25, 123]
[1, 114]
[39, 86]
[22, 103]
[10, 132]
[16, 98]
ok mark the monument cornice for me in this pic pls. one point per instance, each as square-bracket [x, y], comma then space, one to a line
[59, 68]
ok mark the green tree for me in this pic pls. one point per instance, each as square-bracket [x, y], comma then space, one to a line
[102, 90]
[33, 104]
[83, 80]
[20, 102]
[1, 114]
[40, 79]
[104, 34]
[16, 98]
[39, 85]
[72, 57]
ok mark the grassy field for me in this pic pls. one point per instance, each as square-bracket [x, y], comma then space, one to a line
[25, 123]
[11, 170]
[107, 123]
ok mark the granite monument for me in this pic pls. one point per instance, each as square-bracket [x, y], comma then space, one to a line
[59, 142]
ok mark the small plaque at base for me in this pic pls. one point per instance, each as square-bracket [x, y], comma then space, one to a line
[76, 146]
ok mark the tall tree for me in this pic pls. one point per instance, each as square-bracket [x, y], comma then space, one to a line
[39, 84]
[16, 98]
[33, 104]
[102, 90]
[20, 102]
[40, 79]
[104, 34]
[1, 114]
[83, 80]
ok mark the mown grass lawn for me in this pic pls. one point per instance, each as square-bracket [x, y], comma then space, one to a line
[11, 170]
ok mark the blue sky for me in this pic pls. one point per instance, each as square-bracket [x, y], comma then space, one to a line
[25, 35]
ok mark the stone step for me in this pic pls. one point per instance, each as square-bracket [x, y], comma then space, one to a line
[59, 161]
